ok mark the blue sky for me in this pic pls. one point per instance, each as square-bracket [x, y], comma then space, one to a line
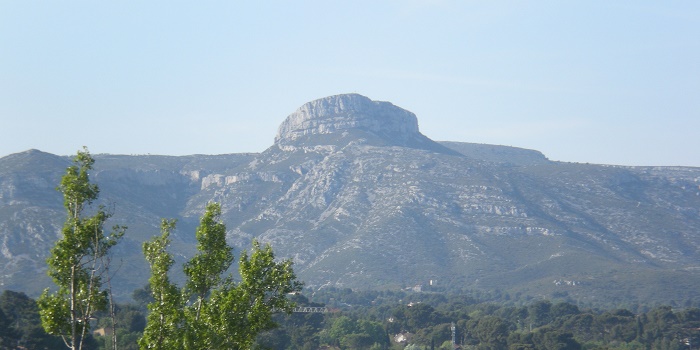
[610, 82]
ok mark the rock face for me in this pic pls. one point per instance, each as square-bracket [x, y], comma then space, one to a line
[339, 113]
[359, 198]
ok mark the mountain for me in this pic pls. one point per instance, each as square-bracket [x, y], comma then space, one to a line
[359, 198]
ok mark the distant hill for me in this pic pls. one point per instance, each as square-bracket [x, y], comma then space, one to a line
[359, 198]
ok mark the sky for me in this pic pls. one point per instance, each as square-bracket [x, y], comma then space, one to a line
[605, 82]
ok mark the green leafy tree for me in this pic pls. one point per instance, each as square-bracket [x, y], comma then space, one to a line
[563, 309]
[165, 311]
[262, 290]
[539, 313]
[204, 273]
[340, 327]
[78, 263]
[492, 332]
[211, 311]
[420, 316]
[355, 334]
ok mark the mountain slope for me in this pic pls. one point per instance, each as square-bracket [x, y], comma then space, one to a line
[359, 198]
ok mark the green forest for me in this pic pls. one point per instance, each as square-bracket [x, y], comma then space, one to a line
[398, 320]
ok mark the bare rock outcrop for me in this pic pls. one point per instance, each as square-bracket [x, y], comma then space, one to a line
[338, 113]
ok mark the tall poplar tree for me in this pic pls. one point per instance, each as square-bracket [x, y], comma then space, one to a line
[213, 311]
[165, 312]
[78, 264]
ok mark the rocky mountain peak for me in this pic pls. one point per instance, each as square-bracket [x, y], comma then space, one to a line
[339, 113]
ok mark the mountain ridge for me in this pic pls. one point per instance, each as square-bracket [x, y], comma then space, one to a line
[364, 207]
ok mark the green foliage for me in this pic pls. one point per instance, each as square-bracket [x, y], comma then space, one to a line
[204, 270]
[434, 334]
[341, 327]
[211, 311]
[419, 316]
[491, 332]
[22, 324]
[446, 345]
[539, 313]
[355, 334]
[165, 311]
[7, 334]
[478, 326]
[552, 339]
[78, 263]
[297, 331]
[494, 326]
[130, 321]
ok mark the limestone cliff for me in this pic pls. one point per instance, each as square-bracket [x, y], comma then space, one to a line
[381, 123]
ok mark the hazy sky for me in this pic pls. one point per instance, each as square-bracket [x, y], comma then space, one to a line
[612, 82]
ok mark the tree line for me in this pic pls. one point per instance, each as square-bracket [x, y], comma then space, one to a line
[400, 321]
[425, 321]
